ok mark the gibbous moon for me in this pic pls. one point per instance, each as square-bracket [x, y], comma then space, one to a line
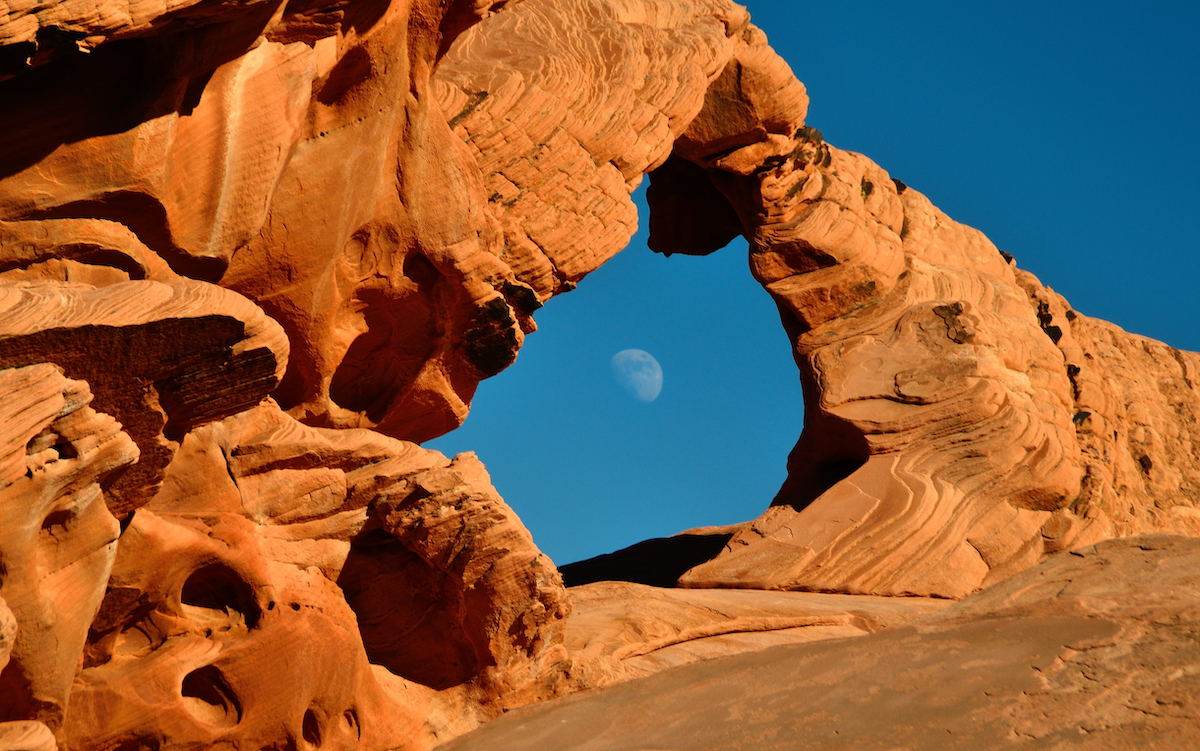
[638, 373]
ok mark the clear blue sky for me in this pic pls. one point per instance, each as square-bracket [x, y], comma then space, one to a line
[1065, 131]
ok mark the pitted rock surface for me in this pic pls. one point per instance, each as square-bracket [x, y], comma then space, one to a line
[249, 252]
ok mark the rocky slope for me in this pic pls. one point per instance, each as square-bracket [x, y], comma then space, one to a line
[250, 253]
[1092, 649]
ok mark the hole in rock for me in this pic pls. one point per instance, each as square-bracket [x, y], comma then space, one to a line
[421, 270]
[41, 442]
[409, 613]
[310, 728]
[60, 519]
[588, 468]
[217, 597]
[208, 698]
[399, 339]
[350, 721]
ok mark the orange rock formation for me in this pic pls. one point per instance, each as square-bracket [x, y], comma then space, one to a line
[249, 252]
[962, 420]
[1093, 650]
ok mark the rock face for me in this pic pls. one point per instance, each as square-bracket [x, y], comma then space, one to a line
[250, 252]
[58, 537]
[1091, 649]
[361, 567]
[961, 420]
[559, 156]
[621, 631]
[176, 355]
[194, 148]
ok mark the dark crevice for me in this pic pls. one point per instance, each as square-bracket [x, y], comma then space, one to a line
[219, 588]
[657, 563]
[310, 728]
[409, 613]
[208, 697]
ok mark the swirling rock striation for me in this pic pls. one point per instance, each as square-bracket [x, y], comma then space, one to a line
[958, 412]
[565, 106]
[248, 252]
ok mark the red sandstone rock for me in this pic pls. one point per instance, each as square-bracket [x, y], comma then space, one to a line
[255, 652]
[565, 105]
[57, 537]
[209, 176]
[620, 631]
[1091, 649]
[953, 416]
[399, 203]
[412, 591]
[175, 355]
[194, 149]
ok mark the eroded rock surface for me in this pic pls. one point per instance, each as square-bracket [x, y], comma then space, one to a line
[371, 574]
[249, 251]
[1091, 649]
[164, 357]
[566, 105]
[294, 154]
[961, 421]
[57, 536]
[620, 631]
[297, 157]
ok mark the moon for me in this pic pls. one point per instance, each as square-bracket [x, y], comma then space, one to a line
[638, 373]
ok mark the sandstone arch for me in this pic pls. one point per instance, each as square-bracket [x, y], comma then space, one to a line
[356, 208]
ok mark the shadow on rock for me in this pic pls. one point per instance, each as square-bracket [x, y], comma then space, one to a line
[658, 562]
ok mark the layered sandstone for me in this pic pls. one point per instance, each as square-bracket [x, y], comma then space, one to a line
[57, 536]
[392, 593]
[564, 107]
[1092, 649]
[295, 157]
[196, 148]
[385, 584]
[961, 420]
[249, 252]
[165, 357]
[619, 631]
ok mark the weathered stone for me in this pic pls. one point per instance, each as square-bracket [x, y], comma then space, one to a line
[57, 537]
[945, 444]
[1091, 649]
[385, 584]
[161, 357]
[378, 196]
